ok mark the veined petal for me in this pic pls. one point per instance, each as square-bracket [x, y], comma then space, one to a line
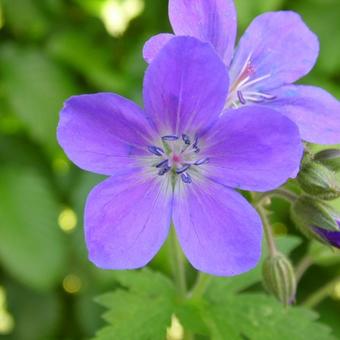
[154, 45]
[103, 132]
[315, 111]
[127, 219]
[219, 231]
[185, 87]
[277, 47]
[253, 148]
[213, 21]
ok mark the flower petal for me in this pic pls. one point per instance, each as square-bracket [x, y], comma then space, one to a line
[212, 21]
[185, 87]
[315, 111]
[154, 45]
[127, 219]
[219, 231]
[279, 46]
[103, 132]
[253, 148]
[332, 237]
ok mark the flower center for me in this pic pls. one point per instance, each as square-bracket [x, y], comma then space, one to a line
[244, 88]
[178, 156]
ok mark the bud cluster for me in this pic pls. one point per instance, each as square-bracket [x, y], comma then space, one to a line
[312, 214]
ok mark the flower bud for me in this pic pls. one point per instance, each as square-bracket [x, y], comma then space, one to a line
[319, 181]
[279, 278]
[316, 220]
[330, 158]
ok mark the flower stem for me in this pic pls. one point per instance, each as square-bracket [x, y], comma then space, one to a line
[314, 299]
[201, 285]
[177, 262]
[281, 193]
[305, 263]
[267, 231]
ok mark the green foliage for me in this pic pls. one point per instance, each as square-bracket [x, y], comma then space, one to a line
[143, 311]
[32, 247]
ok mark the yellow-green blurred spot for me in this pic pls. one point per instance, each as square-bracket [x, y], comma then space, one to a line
[175, 331]
[67, 220]
[72, 284]
[336, 291]
[6, 322]
[61, 165]
[116, 14]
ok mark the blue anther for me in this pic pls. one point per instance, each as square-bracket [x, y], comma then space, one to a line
[241, 98]
[156, 150]
[164, 170]
[182, 169]
[170, 138]
[186, 139]
[195, 143]
[202, 161]
[197, 149]
[162, 164]
[186, 178]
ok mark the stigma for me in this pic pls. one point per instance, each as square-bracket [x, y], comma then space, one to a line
[245, 87]
[178, 156]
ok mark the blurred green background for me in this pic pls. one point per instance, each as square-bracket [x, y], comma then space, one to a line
[50, 50]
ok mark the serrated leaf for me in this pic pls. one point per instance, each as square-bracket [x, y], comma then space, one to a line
[259, 317]
[143, 312]
[32, 247]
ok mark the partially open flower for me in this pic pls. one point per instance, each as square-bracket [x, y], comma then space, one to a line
[317, 220]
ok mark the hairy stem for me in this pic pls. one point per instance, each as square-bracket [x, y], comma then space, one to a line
[305, 263]
[281, 193]
[317, 297]
[201, 285]
[268, 232]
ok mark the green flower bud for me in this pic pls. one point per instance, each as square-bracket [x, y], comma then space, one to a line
[309, 213]
[319, 181]
[279, 278]
[329, 158]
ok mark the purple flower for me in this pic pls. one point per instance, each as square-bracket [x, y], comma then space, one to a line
[276, 50]
[331, 237]
[176, 161]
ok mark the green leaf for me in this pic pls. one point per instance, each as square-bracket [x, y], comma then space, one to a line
[32, 247]
[142, 311]
[259, 317]
[35, 90]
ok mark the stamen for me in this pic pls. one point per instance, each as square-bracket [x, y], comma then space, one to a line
[156, 150]
[241, 98]
[161, 164]
[202, 161]
[164, 170]
[197, 149]
[170, 138]
[186, 139]
[257, 80]
[186, 178]
[263, 95]
[182, 169]
[195, 143]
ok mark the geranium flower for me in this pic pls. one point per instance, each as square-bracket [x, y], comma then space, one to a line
[176, 161]
[276, 50]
